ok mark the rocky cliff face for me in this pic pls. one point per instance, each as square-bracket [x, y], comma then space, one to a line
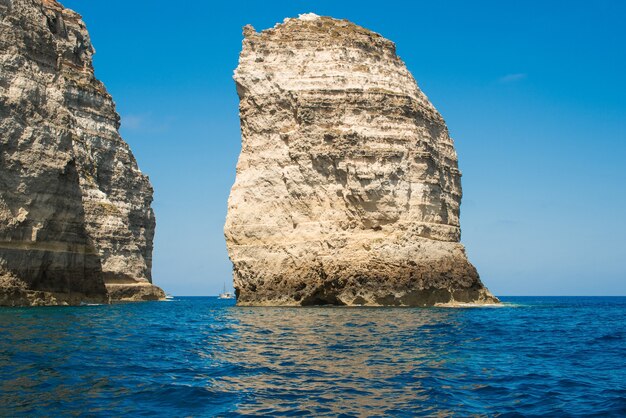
[347, 188]
[75, 217]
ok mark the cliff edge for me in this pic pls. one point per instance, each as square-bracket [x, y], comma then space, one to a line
[347, 189]
[75, 218]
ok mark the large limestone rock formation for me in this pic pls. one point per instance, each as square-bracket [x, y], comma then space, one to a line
[347, 188]
[75, 217]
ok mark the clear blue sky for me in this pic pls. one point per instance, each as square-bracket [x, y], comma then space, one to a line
[534, 94]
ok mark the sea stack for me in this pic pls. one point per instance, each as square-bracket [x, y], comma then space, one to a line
[347, 189]
[75, 219]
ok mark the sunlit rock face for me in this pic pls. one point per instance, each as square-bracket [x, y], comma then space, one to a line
[75, 217]
[347, 189]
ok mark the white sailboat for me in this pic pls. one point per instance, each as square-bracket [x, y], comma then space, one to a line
[225, 294]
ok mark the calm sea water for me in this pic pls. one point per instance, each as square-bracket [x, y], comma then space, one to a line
[205, 357]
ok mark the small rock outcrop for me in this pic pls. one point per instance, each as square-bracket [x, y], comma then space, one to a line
[347, 189]
[75, 218]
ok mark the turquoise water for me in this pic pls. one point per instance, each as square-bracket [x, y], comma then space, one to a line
[205, 357]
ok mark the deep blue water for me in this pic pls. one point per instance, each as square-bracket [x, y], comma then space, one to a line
[205, 357]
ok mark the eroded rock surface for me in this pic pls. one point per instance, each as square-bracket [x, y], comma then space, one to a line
[347, 189]
[75, 217]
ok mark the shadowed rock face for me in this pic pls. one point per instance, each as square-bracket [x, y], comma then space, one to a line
[347, 188]
[75, 217]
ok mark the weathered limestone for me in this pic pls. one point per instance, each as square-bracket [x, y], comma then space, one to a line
[75, 216]
[347, 188]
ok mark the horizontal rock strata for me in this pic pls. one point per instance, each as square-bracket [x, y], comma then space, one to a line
[347, 189]
[75, 216]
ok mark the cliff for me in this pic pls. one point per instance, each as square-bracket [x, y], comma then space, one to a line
[75, 217]
[347, 189]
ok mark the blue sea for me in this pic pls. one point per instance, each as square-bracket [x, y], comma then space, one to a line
[535, 356]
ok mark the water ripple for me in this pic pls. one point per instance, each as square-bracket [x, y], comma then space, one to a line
[204, 357]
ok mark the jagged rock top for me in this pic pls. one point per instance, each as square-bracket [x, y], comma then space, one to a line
[335, 48]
